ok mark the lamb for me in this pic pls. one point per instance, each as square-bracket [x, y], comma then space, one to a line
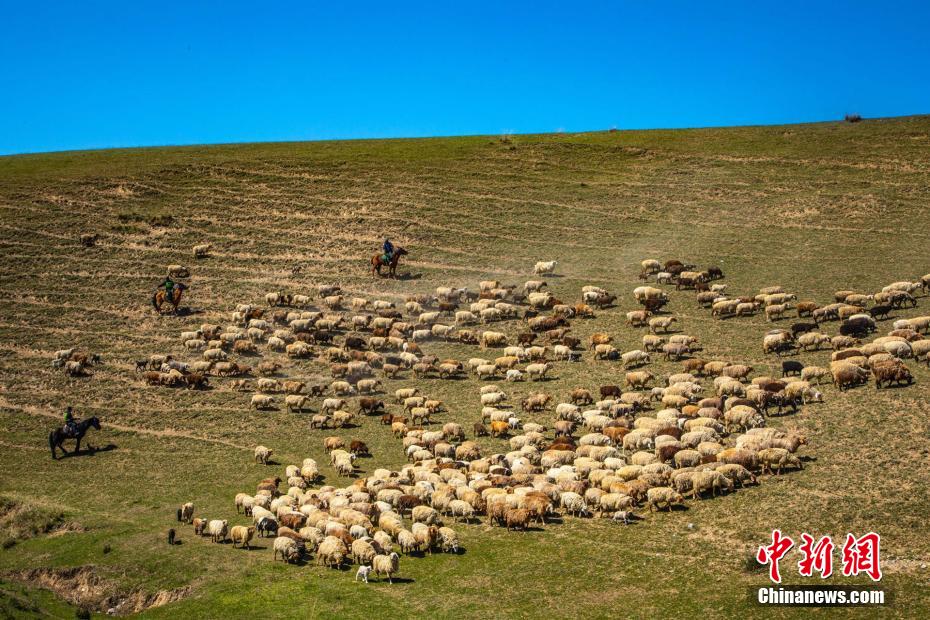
[544, 267]
[262, 455]
[202, 250]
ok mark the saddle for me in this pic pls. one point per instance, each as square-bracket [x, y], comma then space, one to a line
[386, 258]
[69, 430]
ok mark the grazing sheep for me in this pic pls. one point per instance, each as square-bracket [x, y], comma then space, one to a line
[332, 552]
[537, 372]
[186, 513]
[217, 528]
[661, 323]
[448, 540]
[241, 535]
[202, 250]
[544, 267]
[658, 497]
[287, 548]
[262, 455]
[634, 358]
[261, 401]
[295, 402]
[386, 565]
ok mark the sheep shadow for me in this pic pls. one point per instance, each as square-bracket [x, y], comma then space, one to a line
[894, 386]
[184, 311]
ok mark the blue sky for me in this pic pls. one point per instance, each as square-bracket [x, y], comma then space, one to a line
[98, 74]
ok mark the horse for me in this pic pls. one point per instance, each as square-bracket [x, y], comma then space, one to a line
[58, 436]
[160, 297]
[377, 262]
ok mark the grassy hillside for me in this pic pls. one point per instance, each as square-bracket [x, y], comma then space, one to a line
[815, 208]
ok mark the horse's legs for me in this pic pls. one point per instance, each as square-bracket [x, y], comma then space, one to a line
[77, 444]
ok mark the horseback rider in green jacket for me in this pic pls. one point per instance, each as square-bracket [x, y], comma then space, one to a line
[388, 250]
[168, 285]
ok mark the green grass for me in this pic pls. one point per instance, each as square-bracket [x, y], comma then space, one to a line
[815, 208]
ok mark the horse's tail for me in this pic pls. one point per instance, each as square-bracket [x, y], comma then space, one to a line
[155, 300]
[51, 444]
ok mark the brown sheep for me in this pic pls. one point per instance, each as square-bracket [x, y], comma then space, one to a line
[359, 448]
[499, 429]
[581, 396]
[891, 372]
[516, 519]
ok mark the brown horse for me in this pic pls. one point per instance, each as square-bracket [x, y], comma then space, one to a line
[159, 298]
[377, 262]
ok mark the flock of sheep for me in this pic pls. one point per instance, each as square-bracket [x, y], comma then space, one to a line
[648, 444]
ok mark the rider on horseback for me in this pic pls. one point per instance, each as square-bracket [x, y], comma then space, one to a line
[168, 285]
[70, 423]
[388, 250]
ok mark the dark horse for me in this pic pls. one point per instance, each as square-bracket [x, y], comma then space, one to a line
[58, 436]
[160, 297]
[377, 262]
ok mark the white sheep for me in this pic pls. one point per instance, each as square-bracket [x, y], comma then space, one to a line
[261, 401]
[262, 454]
[544, 267]
[634, 358]
[386, 565]
[287, 548]
[202, 250]
[217, 528]
[538, 372]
